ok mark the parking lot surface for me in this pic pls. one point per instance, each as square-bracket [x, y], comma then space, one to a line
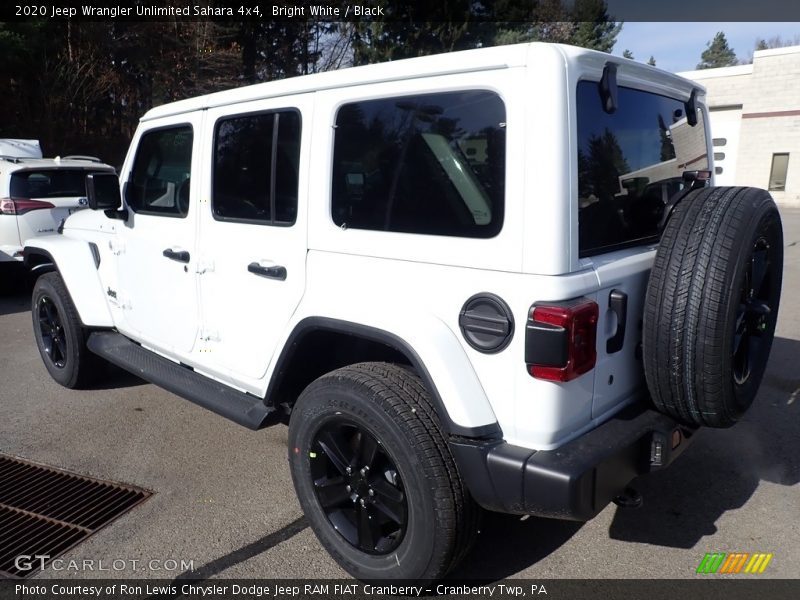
[224, 503]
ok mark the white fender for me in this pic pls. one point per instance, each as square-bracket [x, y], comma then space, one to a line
[75, 263]
[437, 349]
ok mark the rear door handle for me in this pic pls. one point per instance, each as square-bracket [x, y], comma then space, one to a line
[178, 255]
[271, 271]
[618, 304]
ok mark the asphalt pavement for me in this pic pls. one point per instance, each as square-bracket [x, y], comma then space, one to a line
[224, 503]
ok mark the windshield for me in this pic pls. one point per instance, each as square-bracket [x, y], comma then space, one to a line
[48, 183]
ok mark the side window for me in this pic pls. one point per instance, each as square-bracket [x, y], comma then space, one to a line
[630, 163]
[159, 182]
[256, 168]
[430, 164]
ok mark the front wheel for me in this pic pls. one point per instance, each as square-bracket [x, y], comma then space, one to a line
[375, 477]
[60, 336]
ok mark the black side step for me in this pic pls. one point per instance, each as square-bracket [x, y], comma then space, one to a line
[245, 409]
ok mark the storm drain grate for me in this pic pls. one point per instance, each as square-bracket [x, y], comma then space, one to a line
[46, 511]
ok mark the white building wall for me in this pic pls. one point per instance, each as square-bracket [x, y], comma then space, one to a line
[762, 102]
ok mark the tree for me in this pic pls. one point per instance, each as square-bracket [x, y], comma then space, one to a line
[651, 61]
[600, 168]
[81, 86]
[777, 42]
[717, 53]
[594, 28]
[417, 29]
[773, 42]
[627, 54]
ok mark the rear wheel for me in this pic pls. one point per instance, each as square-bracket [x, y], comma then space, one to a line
[712, 305]
[375, 477]
[59, 334]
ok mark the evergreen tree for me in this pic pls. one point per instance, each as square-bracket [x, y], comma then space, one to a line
[627, 54]
[717, 53]
[594, 28]
[651, 61]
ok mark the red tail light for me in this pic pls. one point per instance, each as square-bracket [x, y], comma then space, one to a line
[20, 206]
[560, 339]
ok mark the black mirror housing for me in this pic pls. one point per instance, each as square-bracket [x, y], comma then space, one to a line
[102, 191]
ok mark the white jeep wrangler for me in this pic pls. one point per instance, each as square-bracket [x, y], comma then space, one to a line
[496, 278]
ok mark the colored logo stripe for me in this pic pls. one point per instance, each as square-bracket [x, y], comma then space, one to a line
[720, 562]
[734, 562]
[758, 563]
[711, 562]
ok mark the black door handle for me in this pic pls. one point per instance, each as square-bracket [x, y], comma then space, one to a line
[181, 256]
[274, 272]
[618, 303]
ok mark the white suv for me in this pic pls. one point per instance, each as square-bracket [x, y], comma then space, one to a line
[457, 277]
[36, 194]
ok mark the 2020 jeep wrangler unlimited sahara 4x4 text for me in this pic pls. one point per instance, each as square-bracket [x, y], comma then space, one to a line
[497, 278]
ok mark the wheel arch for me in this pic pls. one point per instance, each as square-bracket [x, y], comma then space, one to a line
[77, 263]
[38, 261]
[345, 342]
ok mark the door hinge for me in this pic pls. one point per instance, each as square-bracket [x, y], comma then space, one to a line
[209, 335]
[204, 267]
[117, 247]
[118, 299]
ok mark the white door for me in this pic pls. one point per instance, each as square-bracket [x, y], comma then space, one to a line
[156, 249]
[252, 255]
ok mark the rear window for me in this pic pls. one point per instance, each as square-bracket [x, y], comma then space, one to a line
[430, 164]
[48, 183]
[629, 164]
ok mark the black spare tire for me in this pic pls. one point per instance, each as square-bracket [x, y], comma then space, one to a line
[712, 304]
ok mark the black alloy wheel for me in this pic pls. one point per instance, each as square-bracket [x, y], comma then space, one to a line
[375, 477]
[755, 298]
[358, 487]
[60, 335]
[52, 332]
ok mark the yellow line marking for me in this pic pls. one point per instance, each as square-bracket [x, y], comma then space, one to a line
[767, 558]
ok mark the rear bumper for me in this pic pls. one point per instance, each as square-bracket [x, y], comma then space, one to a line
[577, 480]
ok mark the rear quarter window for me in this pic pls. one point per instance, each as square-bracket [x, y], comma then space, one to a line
[429, 164]
[629, 164]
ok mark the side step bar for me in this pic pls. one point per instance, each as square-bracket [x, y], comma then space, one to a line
[245, 409]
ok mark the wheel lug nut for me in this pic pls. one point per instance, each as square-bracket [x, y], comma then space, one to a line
[348, 488]
[348, 470]
[362, 502]
[372, 492]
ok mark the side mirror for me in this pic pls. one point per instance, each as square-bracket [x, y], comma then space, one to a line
[102, 191]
